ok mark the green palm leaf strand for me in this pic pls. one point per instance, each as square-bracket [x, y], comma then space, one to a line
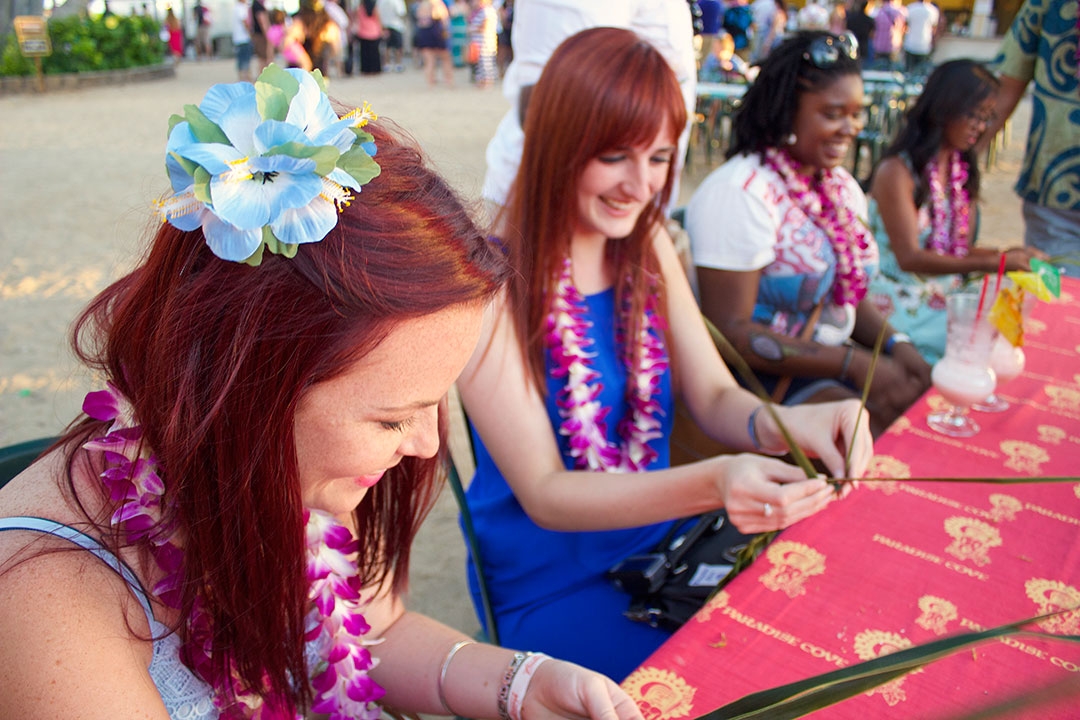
[732, 356]
[802, 697]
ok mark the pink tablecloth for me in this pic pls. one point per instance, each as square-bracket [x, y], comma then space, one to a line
[905, 562]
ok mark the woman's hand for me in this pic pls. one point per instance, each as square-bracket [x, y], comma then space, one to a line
[762, 493]
[1019, 258]
[564, 690]
[914, 364]
[826, 431]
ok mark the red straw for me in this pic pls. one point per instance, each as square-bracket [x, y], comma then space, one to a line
[982, 297]
[1001, 273]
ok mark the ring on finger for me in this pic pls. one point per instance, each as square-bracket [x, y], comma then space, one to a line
[768, 510]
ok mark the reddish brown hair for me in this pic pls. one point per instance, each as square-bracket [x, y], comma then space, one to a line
[602, 89]
[215, 357]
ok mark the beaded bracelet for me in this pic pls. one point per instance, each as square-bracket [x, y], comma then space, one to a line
[442, 673]
[508, 679]
[520, 684]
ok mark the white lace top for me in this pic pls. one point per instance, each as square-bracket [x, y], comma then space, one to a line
[186, 696]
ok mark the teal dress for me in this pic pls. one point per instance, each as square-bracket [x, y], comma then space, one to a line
[914, 304]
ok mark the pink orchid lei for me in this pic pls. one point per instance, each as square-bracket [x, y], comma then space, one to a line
[584, 418]
[950, 217]
[335, 628]
[823, 202]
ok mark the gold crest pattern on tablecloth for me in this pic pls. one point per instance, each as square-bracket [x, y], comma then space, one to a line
[1034, 327]
[792, 565]
[660, 694]
[1062, 398]
[716, 602]
[870, 644]
[1050, 434]
[936, 615]
[972, 539]
[1024, 457]
[1052, 596]
[886, 466]
[1004, 507]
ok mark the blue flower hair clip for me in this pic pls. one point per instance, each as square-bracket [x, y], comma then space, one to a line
[268, 165]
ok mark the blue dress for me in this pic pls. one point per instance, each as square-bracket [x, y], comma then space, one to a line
[548, 588]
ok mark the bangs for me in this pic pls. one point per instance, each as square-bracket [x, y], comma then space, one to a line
[629, 105]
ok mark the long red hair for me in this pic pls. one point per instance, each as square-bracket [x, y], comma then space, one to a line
[215, 357]
[603, 88]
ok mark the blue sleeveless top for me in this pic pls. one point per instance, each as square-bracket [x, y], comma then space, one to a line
[529, 568]
[186, 696]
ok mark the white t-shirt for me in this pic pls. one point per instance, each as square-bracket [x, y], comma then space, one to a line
[241, 17]
[922, 20]
[741, 218]
[392, 13]
[813, 16]
[541, 25]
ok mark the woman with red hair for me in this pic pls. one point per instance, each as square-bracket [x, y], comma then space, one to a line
[248, 485]
[572, 387]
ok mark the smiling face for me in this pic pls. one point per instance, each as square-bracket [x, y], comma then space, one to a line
[616, 187]
[963, 132]
[352, 428]
[826, 123]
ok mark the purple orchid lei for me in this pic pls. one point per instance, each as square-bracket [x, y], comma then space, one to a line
[335, 627]
[823, 203]
[950, 217]
[584, 418]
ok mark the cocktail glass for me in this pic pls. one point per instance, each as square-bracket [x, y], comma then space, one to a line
[963, 376]
[1007, 361]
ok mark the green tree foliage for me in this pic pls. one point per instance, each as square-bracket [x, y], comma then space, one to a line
[84, 44]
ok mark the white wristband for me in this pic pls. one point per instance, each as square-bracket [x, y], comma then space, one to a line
[520, 684]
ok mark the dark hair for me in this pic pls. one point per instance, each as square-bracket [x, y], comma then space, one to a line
[953, 90]
[602, 89]
[767, 113]
[215, 357]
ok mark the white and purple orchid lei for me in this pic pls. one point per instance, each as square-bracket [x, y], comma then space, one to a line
[950, 217]
[268, 164]
[584, 418]
[335, 626]
[823, 202]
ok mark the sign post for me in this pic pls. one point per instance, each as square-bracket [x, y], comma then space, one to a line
[32, 34]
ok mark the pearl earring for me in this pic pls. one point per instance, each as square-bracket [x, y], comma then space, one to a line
[791, 139]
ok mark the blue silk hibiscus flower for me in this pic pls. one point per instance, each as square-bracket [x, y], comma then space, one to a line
[265, 164]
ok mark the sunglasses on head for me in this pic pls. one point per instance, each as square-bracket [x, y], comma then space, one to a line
[825, 51]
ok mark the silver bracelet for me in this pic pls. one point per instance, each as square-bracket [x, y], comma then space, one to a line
[442, 673]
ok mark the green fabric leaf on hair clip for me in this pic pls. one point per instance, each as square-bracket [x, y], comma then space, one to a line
[271, 243]
[360, 165]
[274, 90]
[325, 156]
[204, 130]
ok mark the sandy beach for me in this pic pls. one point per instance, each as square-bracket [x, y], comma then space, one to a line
[80, 169]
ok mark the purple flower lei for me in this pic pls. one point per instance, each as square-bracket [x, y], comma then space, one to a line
[823, 204]
[949, 212]
[334, 625]
[584, 418]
